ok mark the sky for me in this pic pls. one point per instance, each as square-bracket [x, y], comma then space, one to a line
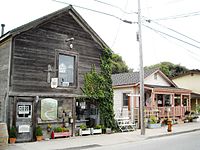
[159, 41]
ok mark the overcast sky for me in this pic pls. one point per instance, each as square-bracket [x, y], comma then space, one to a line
[158, 44]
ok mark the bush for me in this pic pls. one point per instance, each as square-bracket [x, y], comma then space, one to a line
[83, 127]
[39, 131]
[98, 127]
[65, 129]
[13, 132]
[153, 120]
[57, 129]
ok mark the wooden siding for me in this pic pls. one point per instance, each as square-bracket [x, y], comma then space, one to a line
[4, 74]
[34, 49]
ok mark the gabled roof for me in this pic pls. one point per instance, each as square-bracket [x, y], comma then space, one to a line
[133, 78]
[194, 71]
[37, 22]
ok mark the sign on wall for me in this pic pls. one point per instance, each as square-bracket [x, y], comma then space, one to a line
[23, 128]
[49, 108]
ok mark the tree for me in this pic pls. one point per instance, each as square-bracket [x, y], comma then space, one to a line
[118, 65]
[169, 69]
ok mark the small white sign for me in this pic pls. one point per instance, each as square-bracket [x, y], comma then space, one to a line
[65, 84]
[54, 82]
[23, 128]
[23, 109]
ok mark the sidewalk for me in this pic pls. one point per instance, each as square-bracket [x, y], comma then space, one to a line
[85, 142]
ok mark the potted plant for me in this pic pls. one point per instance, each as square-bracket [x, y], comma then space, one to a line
[39, 134]
[84, 130]
[153, 122]
[60, 132]
[12, 135]
[96, 130]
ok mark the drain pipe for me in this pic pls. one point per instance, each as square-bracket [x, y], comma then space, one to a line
[2, 29]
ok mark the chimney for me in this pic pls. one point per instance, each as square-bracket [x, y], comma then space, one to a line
[2, 29]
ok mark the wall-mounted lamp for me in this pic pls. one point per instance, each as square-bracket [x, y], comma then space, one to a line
[70, 41]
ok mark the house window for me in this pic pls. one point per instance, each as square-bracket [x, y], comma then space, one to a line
[125, 99]
[160, 100]
[66, 70]
[167, 99]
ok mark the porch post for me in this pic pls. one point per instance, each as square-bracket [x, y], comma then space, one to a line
[173, 105]
[132, 109]
[181, 105]
[196, 105]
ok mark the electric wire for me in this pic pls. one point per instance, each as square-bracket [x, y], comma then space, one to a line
[119, 27]
[96, 11]
[114, 6]
[196, 13]
[172, 30]
[172, 36]
[192, 54]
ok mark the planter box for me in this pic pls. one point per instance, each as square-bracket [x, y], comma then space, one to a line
[85, 132]
[96, 131]
[154, 126]
[60, 134]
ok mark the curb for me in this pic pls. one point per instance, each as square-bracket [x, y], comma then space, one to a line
[171, 134]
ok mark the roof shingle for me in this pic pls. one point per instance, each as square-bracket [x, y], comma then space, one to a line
[130, 78]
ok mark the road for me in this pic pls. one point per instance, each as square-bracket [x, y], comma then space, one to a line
[187, 141]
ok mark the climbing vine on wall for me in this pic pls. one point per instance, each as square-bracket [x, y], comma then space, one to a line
[98, 87]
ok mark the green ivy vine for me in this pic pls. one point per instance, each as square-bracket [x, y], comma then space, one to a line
[98, 87]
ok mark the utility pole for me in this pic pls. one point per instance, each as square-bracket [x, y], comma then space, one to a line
[141, 72]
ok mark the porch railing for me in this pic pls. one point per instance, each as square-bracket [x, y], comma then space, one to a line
[176, 111]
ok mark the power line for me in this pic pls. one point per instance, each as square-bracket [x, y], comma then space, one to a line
[180, 46]
[108, 4]
[96, 11]
[172, 30]
[119, 26]
[172, 36]
[179, 16]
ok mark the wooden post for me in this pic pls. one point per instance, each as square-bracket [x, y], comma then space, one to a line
[73, 116]
[181, 105]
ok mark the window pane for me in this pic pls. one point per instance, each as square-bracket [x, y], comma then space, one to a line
[167, 99]
[66, 70]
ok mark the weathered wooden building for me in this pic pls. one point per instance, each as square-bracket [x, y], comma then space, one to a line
[42, 67]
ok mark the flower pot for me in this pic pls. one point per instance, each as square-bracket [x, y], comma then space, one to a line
[96, 131]
[12, 140]
[194, 120]
[154, 126]
[85, 132]
[39, 138]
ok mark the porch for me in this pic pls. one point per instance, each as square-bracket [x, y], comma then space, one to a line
[162, 102]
